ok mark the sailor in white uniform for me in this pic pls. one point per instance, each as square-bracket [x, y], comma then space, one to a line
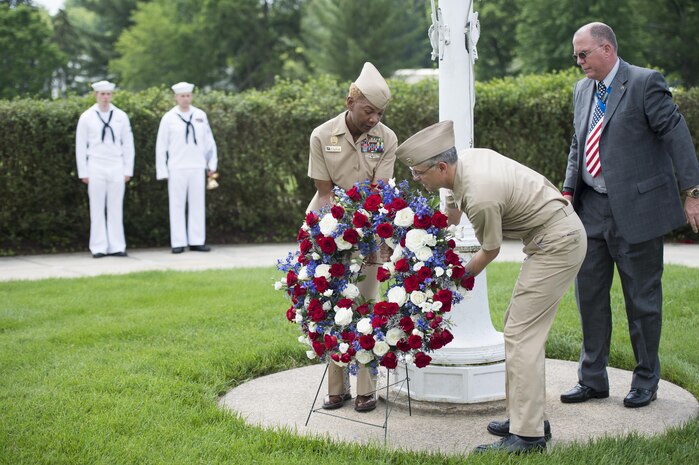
[185, 152]
[104, 151]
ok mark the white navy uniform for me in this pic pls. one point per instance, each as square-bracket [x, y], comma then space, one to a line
[104, 151]
[184, 150]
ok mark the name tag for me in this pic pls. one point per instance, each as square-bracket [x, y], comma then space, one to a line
[333, 148]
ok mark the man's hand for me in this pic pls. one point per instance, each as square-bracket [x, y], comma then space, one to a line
[85, 180]
[691, 211]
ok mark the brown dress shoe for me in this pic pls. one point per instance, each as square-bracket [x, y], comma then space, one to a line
[332, 402]
[365, 403]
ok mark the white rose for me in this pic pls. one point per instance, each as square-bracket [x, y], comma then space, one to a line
[327, 224]
[299, 318]
[315, 256]
[436, 306]
[429, 293]
[283, 280]
[415, 239]
[397, 253]
[383, 211]
[418, 265]
[390, 267]
[364, 356]
[343, 316]
[408, 359]
[303, 274]
[303, 340]
[323, 270]
[418, 297]
[397, 295]
[311, 354]
[449, 272]
[380, 348]
[327, 305]
[278, 285]
[328, 293]
[305, 227]
[392, 182]
[344, 347]
[351, 291]
[364, 326]
[390, 242]
[354, 267]
[423, 253]
[404, 217]
[431, 240]
[417, 332]
[312, 327]
[342, 244]
[438, 271]
[394, 335]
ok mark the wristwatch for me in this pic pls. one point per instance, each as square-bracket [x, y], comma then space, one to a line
[693, 192]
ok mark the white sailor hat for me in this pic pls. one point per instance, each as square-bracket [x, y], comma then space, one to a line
[183, 88]
[427, 143]
[373, 86]
[103, 86]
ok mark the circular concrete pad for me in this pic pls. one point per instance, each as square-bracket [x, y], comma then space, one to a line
[283, 400]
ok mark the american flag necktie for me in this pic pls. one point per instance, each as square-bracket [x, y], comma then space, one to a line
[592, 162]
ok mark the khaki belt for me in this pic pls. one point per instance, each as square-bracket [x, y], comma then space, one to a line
[559, 215]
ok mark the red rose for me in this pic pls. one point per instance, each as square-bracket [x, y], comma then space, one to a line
[327, 244]
[354, 194]
[447, 336]
[367, 342]
[345, 303]
[468, 282]
[402, 265]
[382, 274]
[415, 341]
[436, 341]
[402, 242]
[321, 284]
[424, 273]
[451, 257]
[302, 260]
[335, 357]
[378, 321]
[422, 221]
[372, 203]
[351, 352]
[429, 315]
[337, 212]
[381, 308]
[299, 291]
[363, 309]
[313, 336]
[291, 278]
[457, 272]
[451, 243]
[422, 360]
[318, 348]
[389, 360]
[392, 308]
[305, 246]
[411, 283]
[384, 230]
[439, 220]
[406, 324]
[311, 218]
[329, 341]
[359, 220]
[403, 345]
[444, 296]
[348, 336]
[398, 204]
[345, 358]
[315, 310]
[291, 314]
[303, 234]
[351, 236]
[337, 270]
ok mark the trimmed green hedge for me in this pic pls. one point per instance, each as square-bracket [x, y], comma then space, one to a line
[263, 154]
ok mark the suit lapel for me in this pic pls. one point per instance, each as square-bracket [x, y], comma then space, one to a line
[587, 92]
[618, 90]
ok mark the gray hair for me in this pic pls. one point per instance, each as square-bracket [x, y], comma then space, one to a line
[449, 156]
[600, 32]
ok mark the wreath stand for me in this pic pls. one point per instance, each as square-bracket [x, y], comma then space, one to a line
[389, 407]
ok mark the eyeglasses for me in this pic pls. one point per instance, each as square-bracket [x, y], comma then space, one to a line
[584, 54]
[419, 174]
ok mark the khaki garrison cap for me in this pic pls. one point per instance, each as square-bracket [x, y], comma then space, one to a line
[427, 143]
[373, 86]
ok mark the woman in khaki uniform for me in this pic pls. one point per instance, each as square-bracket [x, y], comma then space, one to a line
[352, 147]
[504, 199]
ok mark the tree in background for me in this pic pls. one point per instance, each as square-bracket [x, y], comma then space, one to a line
[496, 52]
[28, 56]
[340, 35]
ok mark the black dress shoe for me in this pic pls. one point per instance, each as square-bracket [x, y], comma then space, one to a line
[119, 254]
[199, 248]
[99, 255]
[177, 249]
[333, 402]
[582, 393]
[513, 444]
[639, 397]
[502, 428]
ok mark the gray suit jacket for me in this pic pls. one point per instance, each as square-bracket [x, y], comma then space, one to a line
[645, 151]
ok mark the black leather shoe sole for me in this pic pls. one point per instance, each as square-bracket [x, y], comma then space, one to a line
[502, 428]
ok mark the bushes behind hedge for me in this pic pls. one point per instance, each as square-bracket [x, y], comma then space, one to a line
[262, 140]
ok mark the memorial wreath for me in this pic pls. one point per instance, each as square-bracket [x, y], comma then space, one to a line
[423, 278]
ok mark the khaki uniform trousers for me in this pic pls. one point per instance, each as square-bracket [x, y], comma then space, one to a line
[554, 256]
[338, 377]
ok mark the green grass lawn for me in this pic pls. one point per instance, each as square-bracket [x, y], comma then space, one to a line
[128, 369]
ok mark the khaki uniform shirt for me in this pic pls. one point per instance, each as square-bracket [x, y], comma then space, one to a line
[334, 156]
[502, 198]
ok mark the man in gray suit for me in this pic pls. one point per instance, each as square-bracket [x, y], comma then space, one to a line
[630, 150]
